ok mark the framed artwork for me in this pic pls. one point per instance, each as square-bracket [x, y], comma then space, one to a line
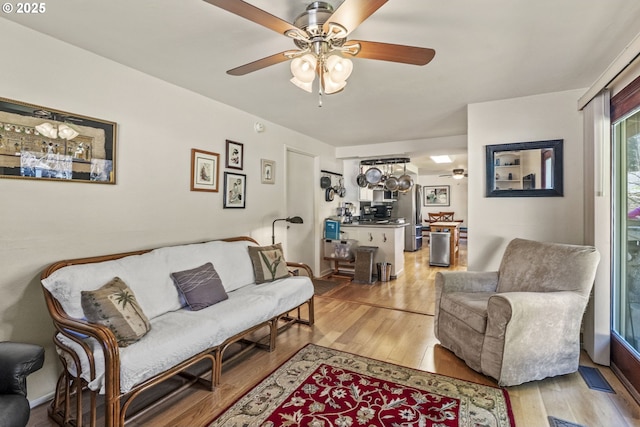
[436, 195]
[204, 170]
[235, 155]
[268, 171]
[41, 143]
[235, 190]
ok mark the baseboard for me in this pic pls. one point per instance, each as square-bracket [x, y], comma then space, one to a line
[630, 388]
[41, 400]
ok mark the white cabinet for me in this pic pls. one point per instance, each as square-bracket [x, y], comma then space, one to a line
[389, 240]
[508, 169]
[365, 194]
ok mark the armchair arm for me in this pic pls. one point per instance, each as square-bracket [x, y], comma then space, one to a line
[464, 281]
[529, 330]
[17, 360]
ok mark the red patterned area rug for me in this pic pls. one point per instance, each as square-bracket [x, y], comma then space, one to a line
[322, 387]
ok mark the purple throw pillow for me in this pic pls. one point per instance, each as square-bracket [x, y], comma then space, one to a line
[201, 287]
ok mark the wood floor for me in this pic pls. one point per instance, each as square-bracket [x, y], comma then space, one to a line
[393, 321]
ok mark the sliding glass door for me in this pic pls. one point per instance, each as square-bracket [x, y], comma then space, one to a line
[625, 289]
[626, 284]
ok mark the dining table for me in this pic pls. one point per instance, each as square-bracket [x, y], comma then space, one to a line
[453, 228]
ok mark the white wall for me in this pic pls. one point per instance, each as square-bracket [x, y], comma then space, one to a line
[458, 195]
[151, 205]
[493, 222]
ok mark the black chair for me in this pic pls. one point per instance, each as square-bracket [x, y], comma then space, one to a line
[17, 360]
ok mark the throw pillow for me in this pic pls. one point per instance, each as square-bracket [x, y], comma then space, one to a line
[268, 263]
[114, 305]
[201, 287]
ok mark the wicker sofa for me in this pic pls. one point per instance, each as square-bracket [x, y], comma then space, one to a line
[178, 337]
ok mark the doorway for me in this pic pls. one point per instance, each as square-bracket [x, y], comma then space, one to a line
[301, 240]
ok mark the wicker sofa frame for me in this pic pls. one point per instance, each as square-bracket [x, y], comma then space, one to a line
[66, 412]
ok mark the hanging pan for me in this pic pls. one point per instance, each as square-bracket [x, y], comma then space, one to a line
[405, 182]
[325, 182]
[329, 194]
[361, 179]
[373, 175]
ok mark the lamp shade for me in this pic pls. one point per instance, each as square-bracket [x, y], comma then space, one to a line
[304, 68]
[338, 68]
[302, 85]
[331, 86]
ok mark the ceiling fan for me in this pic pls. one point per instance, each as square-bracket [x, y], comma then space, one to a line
[456, 174]
[320, 33]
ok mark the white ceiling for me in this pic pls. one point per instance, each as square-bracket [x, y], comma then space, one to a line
[485, 50]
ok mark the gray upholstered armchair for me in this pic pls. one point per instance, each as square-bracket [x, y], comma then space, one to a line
[522, 322]
[17, 360]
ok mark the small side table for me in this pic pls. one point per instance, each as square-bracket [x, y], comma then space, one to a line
[364, 264]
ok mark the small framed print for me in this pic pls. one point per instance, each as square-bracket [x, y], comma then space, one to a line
[268, 171]
[235, 190]
[204, 170]
[235, 155]
[436, 195]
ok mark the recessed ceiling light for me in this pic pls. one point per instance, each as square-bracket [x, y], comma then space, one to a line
[441, 159]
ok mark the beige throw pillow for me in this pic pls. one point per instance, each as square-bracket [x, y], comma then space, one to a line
[268, 263]
[114, 305]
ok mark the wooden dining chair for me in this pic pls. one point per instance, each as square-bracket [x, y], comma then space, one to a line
[446, 216]
[434, 217]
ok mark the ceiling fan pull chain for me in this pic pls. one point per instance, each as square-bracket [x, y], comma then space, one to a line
[320, 96]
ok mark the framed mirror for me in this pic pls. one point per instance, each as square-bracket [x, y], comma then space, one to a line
[45, 144]
[525, 169]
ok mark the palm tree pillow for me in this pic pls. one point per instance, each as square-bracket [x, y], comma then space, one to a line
[268, 263]
[114, 305]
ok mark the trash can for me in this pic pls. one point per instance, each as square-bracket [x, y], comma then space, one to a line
[384, 271]
[364, 264]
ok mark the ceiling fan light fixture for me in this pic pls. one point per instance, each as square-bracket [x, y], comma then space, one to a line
[458, 173]
[304, 68]
[329, 86]
[306, 86]
[338, 68]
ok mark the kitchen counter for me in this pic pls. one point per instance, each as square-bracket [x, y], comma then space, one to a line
[374, 224]
[388, 238]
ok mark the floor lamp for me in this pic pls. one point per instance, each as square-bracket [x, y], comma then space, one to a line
[291, 219]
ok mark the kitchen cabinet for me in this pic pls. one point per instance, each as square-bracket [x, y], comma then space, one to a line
[388, 239]
[365, 194]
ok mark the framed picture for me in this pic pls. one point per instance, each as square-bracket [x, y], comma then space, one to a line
[436, 195]
[41, 143]
[204, 170]
[268, 171]
[235, 155]
[235, 190]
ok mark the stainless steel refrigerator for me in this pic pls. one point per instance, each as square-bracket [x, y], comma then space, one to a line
[409, 208]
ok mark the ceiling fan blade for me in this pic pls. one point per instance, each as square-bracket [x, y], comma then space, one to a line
[260, 64]
[254, 14]
[392, 52]
[352, 13]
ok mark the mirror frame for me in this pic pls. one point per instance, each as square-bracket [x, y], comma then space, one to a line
[556, 191]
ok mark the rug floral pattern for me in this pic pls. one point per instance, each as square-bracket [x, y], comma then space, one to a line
[322, 387]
